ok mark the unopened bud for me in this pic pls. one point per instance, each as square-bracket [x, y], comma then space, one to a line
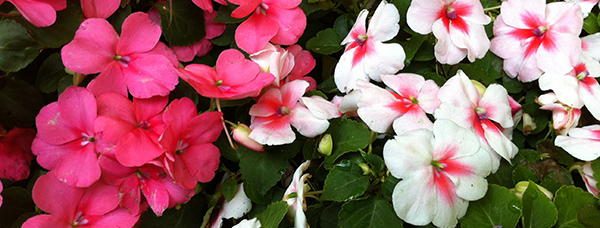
[528, 124]
[522, 186]
[241, 134]
[365, 168]
[480, 87]
[326, 145]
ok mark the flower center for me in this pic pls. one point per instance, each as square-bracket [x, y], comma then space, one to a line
[219, 82]
[181, 146]
[439, 166]
[122, 59]
[451, 13]
[79, 220]
[414, 100]
[262, 8]
[481, 112]
[87, 139]
[144, 125]
[582, 75]
[283, 110]
[540, 31]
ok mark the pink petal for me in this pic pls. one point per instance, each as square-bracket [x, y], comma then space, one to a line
[137, 148]
[111, 80]
[99, 199]
[46, 221]
[292, 23]
[202, 161]
[208, 128]
[304, 60]
[116, 218]
[58, 5]
[254, 33]
[292, 91]
[49, 155]
[205, 5]
[234, 69]
[38, 13]
[179, 113]
[138, 34]
[99, 9]
[52, 128]
[156, 195]
[268, 104]
[287, 4]
[78, 168]
[55, 197]
[245, 9]
[374, 107]
[147, 109]
[117, 107]
[150, 75]
[77, 106]
[92, 49]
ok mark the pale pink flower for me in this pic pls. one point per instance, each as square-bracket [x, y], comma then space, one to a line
[488, 113]
[579, 141]
[457, 25]
[366, 56]
[41, 13]
[533, 37]
[274, 60]
[99, 8]
[564, 117]
[441, 170]
[404, 105]
[124, 62]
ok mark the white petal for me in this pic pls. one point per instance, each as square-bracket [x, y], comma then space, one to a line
[384, 23]
[414, 199]
[272, 136]
[385, 58]
[252, 223]
[422, 14]
[590, 95]
[412, 120]
[320, 108]
[238, 206]
[374, 107]
[448, 133]
[358, 27]
[495, 101]
[578, 147]
[409, 152]
[446, 51]
[501, 144]
[306, 123]
[346, 74]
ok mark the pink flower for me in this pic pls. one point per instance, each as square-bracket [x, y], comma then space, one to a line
[279, 21]
[366, 56]
[274, 60]
[99, 8]
[575, 89]
[67, 139]
[125, 62]
[457, 25]
[68, 206]
[441, 170]
[564, 117]
[202, 47]
[304, 63]
[150, 181]
[206, 5]
[405, 104]
[534, 37]
[190, 155]
[587, 174]
[15, 153]
[278, 109]
[488, 113]
[234, 77]
[41, 13]
[579, 141]
[134, 127]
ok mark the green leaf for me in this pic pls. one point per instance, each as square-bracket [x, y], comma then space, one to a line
[182, 22]
[229, 188]
[260, 172]
[17, 48]
[485, 70]
[61, 32]
[189, 215]
[50, 74]
[368, 213]
[412, 46]
[345, 181]
[568, 201]
[499, 208]
[590, 24]
[596, 170]
[348, 135]
[326, 42]
[589, 216]
[538, 210]
[272, 216]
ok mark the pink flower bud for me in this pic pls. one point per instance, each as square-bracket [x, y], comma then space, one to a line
[241, 134]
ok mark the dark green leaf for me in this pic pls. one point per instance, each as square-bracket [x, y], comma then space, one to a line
[589, 216]
[568, 201]
[17, 48]
[272, 216]
[182, 22]
[260, 172]
[499, 208]
[368, 213]
[412, 46]
[189, 215]
[62, 31]
[348, 135]
[485, 70]
[345, 181]
[590, 24]
[50, 74]
[326, 42]
[229, 188]
[538, 210]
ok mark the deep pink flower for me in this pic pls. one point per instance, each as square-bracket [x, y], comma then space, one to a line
[66, 140]
[279, 21]
[69, 206]
[206, 5]
[136, 126]
[99, 8]
[15, 153]
[150, 181]
[125, 62]
[212, 30]
[234, 77]
[190, 155]
[533, 37]
[41, 13]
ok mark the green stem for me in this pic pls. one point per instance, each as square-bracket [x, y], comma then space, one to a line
[492, 8]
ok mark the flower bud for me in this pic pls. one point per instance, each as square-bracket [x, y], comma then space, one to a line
[480, 87]
[365, 168]
[528, 124]
[241, 134]
[522, 186]
[326, 145]
[587, 174]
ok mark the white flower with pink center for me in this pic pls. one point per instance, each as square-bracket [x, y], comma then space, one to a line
[564, 117]
[457, 24]
[575, 89]
[366, 56]
[441, 170]
[405, 105]
[488, 113]
[580, 142]
[533, 37]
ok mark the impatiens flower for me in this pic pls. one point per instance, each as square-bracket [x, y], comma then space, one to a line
[68, 206]
[252, 223]
[441, 170]
[241, 134]
[564, 117]
[234, 77]
[66, 140]
[212, 30]
[151, 182]
[190, 155]
[136, 126]
[533, 37]
[278, 109]
[279, 21]
[99, 8]
[275, 60]
[487, 112]
[294, 196]
[41, 13]
[366, 56]
[585, 5]
[579, 142]
[587, 174]
[457, 25]
[236, 208]
[405, 105]
[124, 62]
[575, 89]
[304, 63]
[15, 153]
